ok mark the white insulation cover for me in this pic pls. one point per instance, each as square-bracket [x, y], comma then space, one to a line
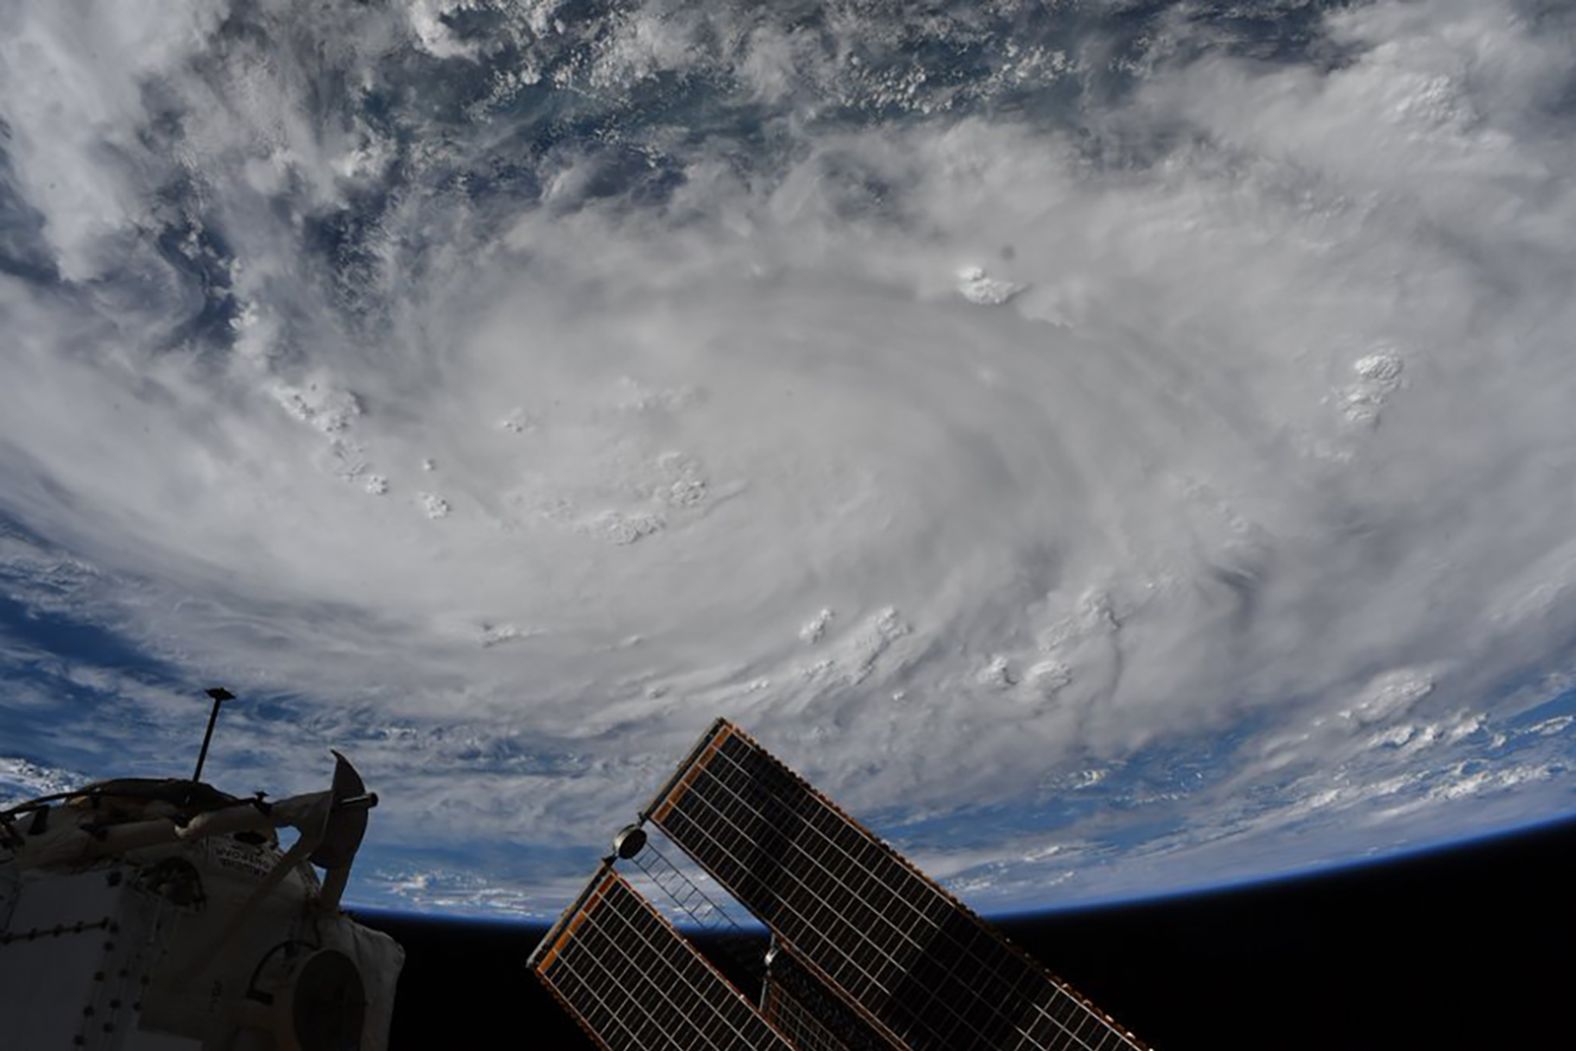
[72, 957]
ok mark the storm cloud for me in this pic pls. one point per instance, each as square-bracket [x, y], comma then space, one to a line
[1115, 446]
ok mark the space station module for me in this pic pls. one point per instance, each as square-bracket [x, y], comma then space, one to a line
[163, 915]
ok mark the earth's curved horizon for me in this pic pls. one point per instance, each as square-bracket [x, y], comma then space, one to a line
[741, 921]
[1116, 448]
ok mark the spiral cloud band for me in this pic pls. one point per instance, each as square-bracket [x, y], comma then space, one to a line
[1114, 447]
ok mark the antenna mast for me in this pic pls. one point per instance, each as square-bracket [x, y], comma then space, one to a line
[219, 695]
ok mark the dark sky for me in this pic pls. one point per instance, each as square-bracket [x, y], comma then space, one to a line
[1474, 947]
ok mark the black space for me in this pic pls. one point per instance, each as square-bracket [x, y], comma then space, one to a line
[1474, 947]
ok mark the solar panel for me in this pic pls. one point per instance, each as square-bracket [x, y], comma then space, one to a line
[927, 972]
[634, 984]
[811, 1016]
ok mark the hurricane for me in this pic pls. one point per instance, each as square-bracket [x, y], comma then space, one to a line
[1113, 446]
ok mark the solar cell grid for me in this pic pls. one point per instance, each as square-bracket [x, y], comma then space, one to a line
[636, 985]
[875, 928]
[798, 1022]
[809, 1014]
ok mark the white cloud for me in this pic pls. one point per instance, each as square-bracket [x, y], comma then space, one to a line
[22, 779]
[1125, 505]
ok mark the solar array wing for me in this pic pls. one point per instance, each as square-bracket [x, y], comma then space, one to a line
[797, 1021]
[812, 1017]
[634, 984]
[926, 971]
